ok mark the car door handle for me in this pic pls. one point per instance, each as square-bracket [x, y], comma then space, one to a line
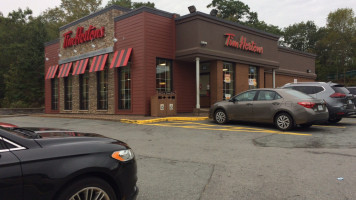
[275, 103]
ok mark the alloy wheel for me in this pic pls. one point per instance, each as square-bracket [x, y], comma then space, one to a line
[220, 117]
[283, 122]
[90, 193]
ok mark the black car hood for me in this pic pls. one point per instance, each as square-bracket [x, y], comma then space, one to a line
[53, 136]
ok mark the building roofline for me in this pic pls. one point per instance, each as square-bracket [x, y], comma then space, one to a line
[145, 9]
[294, 51]
[102, 11]
[51, 42]
[226, 22]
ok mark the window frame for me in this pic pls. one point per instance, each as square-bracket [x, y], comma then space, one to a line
[159, 62]
[253, 76]
[122, 102]
[104, 98]
[54, 93]
[232, 79]
[84, 102]
[68, 92]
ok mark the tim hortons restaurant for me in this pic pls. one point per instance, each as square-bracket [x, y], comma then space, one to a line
[113, 61]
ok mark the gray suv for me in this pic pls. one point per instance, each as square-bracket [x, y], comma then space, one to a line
[338, 99]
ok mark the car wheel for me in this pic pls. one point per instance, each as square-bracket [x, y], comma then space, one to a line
[220, 116]
[284, 122]
[88, 188]
[335, 119]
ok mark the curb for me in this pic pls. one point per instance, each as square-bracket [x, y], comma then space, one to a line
[166, 119]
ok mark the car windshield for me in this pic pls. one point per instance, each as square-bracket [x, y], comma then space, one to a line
[340, 89]
[298, 94]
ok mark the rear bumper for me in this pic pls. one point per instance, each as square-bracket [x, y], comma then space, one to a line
[311, 117]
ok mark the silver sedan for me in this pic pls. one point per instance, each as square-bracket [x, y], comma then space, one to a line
[285, 108]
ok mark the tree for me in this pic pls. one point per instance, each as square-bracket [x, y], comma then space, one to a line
[129, 4]
[21, 60]
[237, 11]
[301, 36]
[336, 49]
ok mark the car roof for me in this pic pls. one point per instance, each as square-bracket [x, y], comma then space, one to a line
[314, 83]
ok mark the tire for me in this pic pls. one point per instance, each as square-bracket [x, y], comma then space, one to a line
[220, 116]
[284, 122]
[92, 186]
[334, 120]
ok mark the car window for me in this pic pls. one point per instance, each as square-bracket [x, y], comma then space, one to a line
[247, 96]
[352, 90]
[2, 146]
[298, 94]
[318, 89]
[305, 89]
[340, 89]
[266, 95]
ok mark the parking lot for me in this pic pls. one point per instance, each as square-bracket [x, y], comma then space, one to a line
[202, 160]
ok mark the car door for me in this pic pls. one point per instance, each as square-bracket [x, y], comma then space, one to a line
[266, 105]
[241, 106]
[10, 173]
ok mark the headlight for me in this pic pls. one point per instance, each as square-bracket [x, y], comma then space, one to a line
[123, 155]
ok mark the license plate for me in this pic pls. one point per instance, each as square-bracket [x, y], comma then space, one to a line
[320, 107]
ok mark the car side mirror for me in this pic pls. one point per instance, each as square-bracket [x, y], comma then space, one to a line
[232, 100]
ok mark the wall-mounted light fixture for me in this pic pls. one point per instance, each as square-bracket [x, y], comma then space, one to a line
[75, 51]
[309, 71]
[93, 45]
[115, 40]
[203, 43]
[47, 59]
[213, 12]
[59, 55]
[192, 9]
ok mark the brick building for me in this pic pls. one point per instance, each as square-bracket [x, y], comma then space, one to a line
[114, 60]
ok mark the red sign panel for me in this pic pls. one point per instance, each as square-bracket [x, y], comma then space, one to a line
[82, 37]
[242, 44]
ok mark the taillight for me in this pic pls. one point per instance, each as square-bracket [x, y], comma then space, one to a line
[338, 95]
[307, 104]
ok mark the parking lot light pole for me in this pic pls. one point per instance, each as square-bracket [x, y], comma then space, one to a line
[197, 60]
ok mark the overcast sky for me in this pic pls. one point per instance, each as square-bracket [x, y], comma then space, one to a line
[277, 12]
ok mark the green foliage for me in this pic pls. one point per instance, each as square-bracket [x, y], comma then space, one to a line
[129, 4]
[301, 36]
[21, 63]
[237, 11]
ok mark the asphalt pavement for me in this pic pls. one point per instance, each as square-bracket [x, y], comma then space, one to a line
[200, 160]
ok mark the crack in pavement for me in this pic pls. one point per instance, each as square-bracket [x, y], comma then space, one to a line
[211, 175]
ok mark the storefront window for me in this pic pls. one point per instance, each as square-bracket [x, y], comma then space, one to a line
[54, 95]
[163, 75]
[68, 93]
[228, 80]
[125, 87]
[102, 77]
[84, 90]
[252, 78]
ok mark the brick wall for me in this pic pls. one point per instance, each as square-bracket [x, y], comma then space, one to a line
[51, 52]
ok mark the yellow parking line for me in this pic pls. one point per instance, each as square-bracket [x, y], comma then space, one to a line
[232, 130]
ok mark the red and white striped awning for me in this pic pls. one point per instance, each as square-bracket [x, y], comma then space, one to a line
[98, 63]
[121, 58]
[51, 72]
[80, 66]
[64, 70]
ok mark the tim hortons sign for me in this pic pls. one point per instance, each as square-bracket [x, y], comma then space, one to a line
[242, 44]
[81, 37]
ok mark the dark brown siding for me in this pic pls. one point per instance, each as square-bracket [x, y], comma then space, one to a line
[283, 79]
[151, 36]
[51, 52]
[184, 85]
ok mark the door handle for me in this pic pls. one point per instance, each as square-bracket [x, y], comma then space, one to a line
[275, 103]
